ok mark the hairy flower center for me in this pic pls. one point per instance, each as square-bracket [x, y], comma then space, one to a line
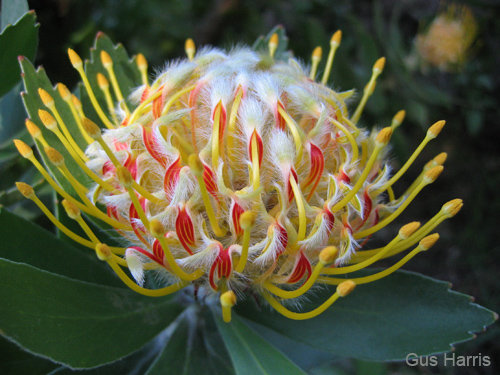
[235, 172]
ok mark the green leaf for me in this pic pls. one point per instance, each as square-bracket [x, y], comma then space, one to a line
[282, 52]
[18, 361]
[12, 10]
[12, 117]
[128, 77]
[133, 364]
[76, 323]
[103, 231]
[33, 80]
[384, 320]
[126, 71]
[193, 348]
[25, 242]
[18, 39]
[301, 354]
[250, 353]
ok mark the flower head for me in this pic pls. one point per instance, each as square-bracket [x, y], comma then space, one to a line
[234, 172]
[447, 41]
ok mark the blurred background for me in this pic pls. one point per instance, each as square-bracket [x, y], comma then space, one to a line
[432, 72]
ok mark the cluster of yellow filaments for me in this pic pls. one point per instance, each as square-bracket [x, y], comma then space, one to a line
[236, 173]
[447, 41]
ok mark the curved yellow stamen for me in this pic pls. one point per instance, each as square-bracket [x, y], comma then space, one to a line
[35, 132]
[437, 160]
[77, 63]
[107, 62]
[405, 232]
[140, 108]
[227, 301]
[348, 134]
[382, 140]
[431, 177]
[78, 105]
[378, 67]
[190, 48]
[104, 86]
[431, 134]
[231, 128]
[273, 44]
[255, 164]
[80, 163]
[428, 227]
[196, 167]
[74, 213]
[423, 246]
[215, 136]
[158, 232]
[67, 97]
[175, 97]
[51, 124]
[94, 131]
[311, 314]
[247, 221]
[334, 44]
[142, 64]
[296, 131]
[316, 58]
[57, 159]
[286, 294]
[340, 106]
[299, 199]
[32, 196]
[49, 102]
[139, 289]
[90, 210]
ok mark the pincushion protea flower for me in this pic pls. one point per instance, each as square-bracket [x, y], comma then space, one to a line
[447, 41]
[234, 172]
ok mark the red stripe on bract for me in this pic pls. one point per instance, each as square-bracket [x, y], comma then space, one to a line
[301, 268]
[222, 264]
[172, 177]
[236, 212]
[374, 222]
[108, 167]
[367, 207]
[185, 230]
[329, 217]
[279, 120]
[152, 145]
[282, 236]
[317, 166]
[145, 94]
[153, 257]
[131, 164]
[112, 212]
[346, 224]
[289, 185]
[243, 92]
[210, 182]
[158, 251]
[119, 146]
[158, 105]
[138, 228]
[260, 146]
[342, 176]
[222, 119]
